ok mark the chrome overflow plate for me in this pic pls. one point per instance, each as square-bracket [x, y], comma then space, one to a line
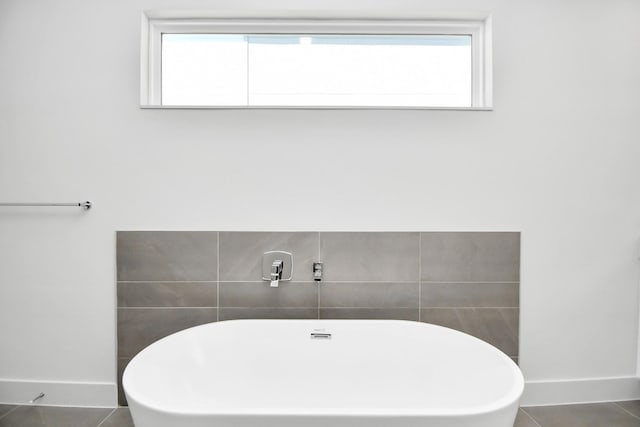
[320, 334]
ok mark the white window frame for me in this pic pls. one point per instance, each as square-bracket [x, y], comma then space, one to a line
[154, 28]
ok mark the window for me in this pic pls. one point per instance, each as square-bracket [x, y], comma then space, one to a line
[316, 64]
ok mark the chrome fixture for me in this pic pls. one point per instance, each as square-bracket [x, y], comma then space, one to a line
[320, 336]
[84, 205]
[277, 266]
[317, 271]
[276, 272]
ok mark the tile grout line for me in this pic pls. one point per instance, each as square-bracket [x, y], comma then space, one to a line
[427, 282]
[167, 308]
[469, 282]
[198, 307]
[218, 278]
[107, 417]
[469, 307]
[151, 282]
[293, 282]
[531, 417]
[322, 306]
[625, 410]
[420, 277]
[10, 411]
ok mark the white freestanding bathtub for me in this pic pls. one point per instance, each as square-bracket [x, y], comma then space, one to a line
[322, 373]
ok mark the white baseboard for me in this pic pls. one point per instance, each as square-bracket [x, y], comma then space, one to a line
[83, 394]
[536, 393]
[588, 390]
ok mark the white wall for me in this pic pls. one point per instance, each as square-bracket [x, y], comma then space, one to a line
[558, 159]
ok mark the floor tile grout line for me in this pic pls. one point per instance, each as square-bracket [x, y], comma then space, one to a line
[626, 411]
[10, 411]
[107, 417]
[531, 417]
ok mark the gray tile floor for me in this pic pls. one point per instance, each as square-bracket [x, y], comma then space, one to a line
[49, 416]
[619, 414]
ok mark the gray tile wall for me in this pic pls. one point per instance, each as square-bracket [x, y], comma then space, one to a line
[172, 280]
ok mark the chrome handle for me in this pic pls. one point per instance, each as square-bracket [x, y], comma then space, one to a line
[276, 270]
[317, 271]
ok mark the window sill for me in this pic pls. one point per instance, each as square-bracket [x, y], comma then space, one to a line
[266, 107]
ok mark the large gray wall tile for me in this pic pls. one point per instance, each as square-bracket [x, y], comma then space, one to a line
[590, 415]
[495, 326]
[260, 294]
[231, 313]
[372, 295]
[470, 257]
[469, 294]
[167, 294]
[241, 253]
[139, 327]
[122, 364]
[447, 317]
[167, 255]
[498, 326]
[511, 317]
[376, 257]
[469, 281]
[370, 313]
[49, 416]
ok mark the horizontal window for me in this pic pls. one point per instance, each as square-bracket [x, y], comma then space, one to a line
[338, 64]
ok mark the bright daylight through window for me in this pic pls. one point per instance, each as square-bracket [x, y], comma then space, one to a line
[379, 66]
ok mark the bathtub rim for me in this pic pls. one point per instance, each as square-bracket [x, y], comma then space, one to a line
[510, 398]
